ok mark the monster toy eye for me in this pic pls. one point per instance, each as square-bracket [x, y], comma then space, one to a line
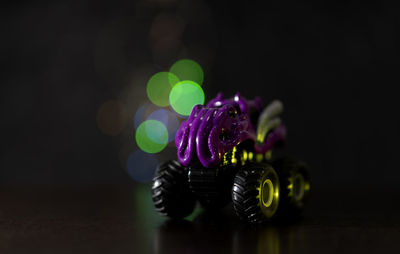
[237, 107]
[232, 113]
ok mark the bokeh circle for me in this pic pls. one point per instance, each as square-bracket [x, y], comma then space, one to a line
[159, 87]
[187, 69]
[169, 119]
[185, 95]
[112, 117]
[152, 136]
[141, 166]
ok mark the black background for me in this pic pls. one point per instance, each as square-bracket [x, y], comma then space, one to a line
[64, 184]
[333, 64]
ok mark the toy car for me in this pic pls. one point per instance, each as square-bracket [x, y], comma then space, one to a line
[224, 154]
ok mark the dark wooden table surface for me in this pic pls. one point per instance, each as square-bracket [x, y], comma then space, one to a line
[121, 219]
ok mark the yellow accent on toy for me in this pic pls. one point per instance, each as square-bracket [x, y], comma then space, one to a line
[225, 160]
[234, 160]
[268, 154]
[259, 157]
[251, 156]
[244, 157]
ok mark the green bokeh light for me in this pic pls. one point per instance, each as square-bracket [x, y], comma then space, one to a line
[186, 69]
[185, 95]
[159, 87]
[152, 136]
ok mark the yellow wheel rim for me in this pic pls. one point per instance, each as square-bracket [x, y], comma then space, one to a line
[268, 192]
[298, 187]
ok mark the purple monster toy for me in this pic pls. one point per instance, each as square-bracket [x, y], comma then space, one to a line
[224, 151]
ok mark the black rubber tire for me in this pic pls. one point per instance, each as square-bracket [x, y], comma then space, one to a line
[246, 192]
[295, 186]
[170, 191]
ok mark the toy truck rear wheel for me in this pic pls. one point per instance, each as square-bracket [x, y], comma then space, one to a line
[295, 186]
[170, 192]
[255, 192]
[211, 186]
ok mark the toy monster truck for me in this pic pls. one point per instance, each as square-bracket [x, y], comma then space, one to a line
[224, 153]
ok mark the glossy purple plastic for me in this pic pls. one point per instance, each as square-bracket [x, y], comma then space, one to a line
[199, 137]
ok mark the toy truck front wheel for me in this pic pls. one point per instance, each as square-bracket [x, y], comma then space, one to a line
[255, 192]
